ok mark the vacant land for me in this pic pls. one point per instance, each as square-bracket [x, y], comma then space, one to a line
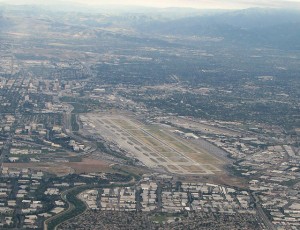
[65, 168]
[153, 145]
[89, 166]
[53, 168]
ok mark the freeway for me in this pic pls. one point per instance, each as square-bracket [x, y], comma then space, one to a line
[262, 214]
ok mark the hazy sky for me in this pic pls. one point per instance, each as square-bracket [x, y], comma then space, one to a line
[202, 4]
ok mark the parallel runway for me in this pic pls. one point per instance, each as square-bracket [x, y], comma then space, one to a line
[153, 145]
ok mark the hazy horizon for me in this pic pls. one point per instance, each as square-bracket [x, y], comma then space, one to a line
[207, 4]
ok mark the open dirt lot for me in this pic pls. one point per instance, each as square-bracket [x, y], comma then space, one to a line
[89, 166]
[62, 169]
[57, 169]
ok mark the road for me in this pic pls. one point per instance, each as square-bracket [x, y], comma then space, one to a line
[67, 127]
[262, 214]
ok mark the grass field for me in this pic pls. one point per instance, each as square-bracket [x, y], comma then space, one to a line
[181, 147]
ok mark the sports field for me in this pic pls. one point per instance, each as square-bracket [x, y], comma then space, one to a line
[153, 145]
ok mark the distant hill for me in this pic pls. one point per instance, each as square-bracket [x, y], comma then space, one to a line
[256, 27]
[271, 27]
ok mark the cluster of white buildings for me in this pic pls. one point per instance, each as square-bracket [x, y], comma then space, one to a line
[148, 195]
[76, 146]
[27, 183]
[118, 199]
[217, 198]
[7, 121]
[91, 198]
[281, 201]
